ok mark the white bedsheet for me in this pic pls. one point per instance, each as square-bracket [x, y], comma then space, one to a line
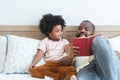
[20, 77]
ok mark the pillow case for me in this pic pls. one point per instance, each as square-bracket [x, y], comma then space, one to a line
[82, 61]
[20, 53]
[3, 42]
[115, 43]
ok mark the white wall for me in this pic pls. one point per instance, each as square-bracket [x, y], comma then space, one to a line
[29, 12]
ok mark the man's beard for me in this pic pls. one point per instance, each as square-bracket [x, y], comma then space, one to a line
[81, 34]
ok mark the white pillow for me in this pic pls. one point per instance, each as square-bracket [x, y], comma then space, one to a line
[20, 53]
[115, 43]
[2, 52]
[82, 61]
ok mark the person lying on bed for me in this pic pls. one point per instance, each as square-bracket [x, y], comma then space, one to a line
[52, 49]
[106, 63]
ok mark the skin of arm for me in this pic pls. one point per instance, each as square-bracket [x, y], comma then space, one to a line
[36, 58]
[118, 53]
[72, 52]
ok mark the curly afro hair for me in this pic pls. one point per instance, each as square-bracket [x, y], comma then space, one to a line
[48, 22]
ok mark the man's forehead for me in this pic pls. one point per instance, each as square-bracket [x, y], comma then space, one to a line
[85, 24]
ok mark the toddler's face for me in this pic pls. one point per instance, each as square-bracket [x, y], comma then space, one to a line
[57, 33]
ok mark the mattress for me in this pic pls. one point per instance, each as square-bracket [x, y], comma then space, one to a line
[20, 77]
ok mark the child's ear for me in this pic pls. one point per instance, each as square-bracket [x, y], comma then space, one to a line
[49, 34]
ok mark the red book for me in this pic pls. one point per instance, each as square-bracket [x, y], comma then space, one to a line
[85, 44]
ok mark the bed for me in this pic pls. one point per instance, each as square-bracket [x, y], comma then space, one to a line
[16, 40]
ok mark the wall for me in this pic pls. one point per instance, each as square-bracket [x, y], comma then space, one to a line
[29, 12]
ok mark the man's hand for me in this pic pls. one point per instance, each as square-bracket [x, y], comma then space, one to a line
[74, 51]
[67, 60]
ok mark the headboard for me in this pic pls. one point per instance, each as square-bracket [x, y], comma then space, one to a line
[69, 31]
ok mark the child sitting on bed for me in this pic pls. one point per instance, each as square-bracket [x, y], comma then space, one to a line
[52, 49]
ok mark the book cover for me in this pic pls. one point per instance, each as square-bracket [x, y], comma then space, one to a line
[84, 44]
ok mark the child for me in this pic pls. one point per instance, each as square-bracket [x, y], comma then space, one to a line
[52, 49]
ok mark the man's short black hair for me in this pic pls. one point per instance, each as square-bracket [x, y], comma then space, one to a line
[92, 25]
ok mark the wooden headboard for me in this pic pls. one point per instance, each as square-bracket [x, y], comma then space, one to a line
[69, 31]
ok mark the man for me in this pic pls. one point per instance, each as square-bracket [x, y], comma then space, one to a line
[104, 65]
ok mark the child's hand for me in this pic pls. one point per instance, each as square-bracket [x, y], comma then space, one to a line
[32, 65]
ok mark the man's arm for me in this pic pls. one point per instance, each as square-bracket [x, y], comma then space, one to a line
[68, 60]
